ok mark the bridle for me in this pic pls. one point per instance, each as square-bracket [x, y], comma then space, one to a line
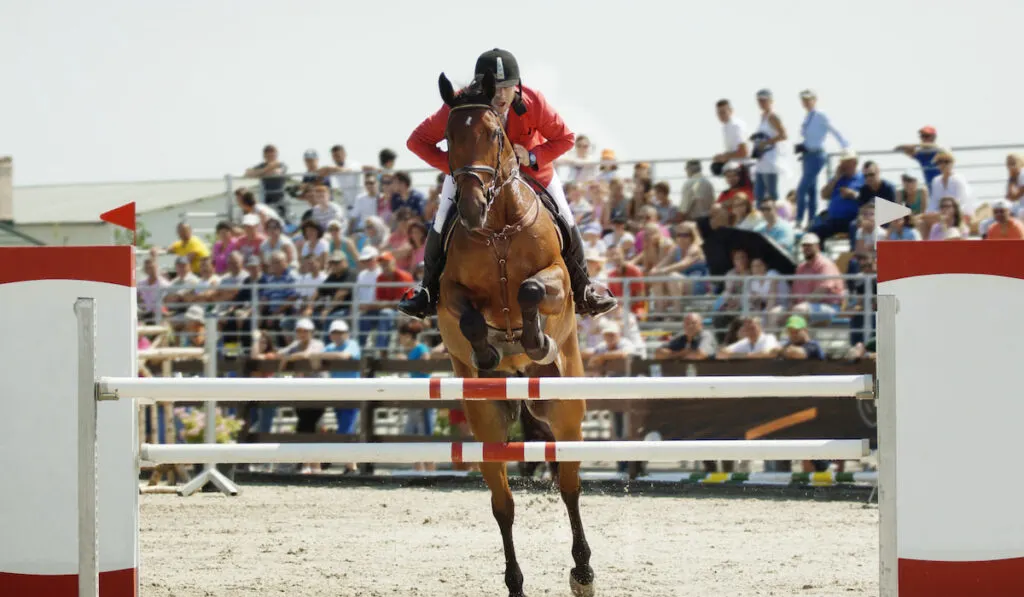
[491, 187]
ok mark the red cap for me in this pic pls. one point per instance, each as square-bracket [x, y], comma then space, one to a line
[387, 256]
[928, 130]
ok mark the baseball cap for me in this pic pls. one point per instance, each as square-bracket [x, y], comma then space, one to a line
[387, 256]
[368, 252]
[250, 220]
[764, 94]
[338, 325]
[608, 154]
[1001, 204]
[847, 154]
[195, 313]
[810, 239]
[928, 130]
[310, 154]
[305, 324]
[808, 94]
[795, 322]
[610, 327]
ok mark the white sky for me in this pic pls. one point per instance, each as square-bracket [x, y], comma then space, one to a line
[116, 90]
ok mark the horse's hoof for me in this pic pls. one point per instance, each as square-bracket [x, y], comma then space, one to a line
[579, 589]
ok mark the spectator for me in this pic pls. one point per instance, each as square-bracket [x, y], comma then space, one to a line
[194, 333]
[731, 298]
[843, 193]
[418, 421]
[264, 349]
[405, 196]
[698, 193]
[247, 203]
[595, 265]
[411, 252]
[912, 195]
[640, 199]
[597, 195]
[337, 241]
[949, 224]
[608, 167]
[617, 206]
[582, 210]
[685, 261]
[592, 238]
[738, 182]
[950, 184]
[902, 229]
[313, 242]
[206, 289]
[313, 176]
[277, 295]
[378, 311]
[1015, 184]
[386, 158]
[272, 175]
[864, 264]
[753, 343]
[815, 128]
[344, 175]
[387, 185]
[303, 347]
[866, 233]
[238, 317]
[799, 346]
[766, 150]
[649, 222]
[743, 215]
[618, 232]
[151, 291]
[331, 301]
[277, 241]
[251, 242]
[924, 152]
[365, 205]
[655, 251]
[225, 244]
[734, 132]
[189, 245]
[694, 343]
[875, 185]
[1004, 226]
[775, 228]
[375, 235]
[343, 348]
[582, 166]
[181, 289]
[819, 297]
[230, 284]
[767, 289]
[619, 268]
[309, 281]
[612, 352]
[667, 213]
[325, 210]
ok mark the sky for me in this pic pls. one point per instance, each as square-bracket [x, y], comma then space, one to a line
[112, 90]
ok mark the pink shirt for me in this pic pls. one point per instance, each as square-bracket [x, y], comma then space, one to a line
[221, 251]
[828, 291]
[640, 237]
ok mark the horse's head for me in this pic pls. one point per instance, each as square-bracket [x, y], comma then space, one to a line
[480, 158]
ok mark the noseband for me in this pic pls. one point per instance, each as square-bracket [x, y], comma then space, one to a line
[492, 187]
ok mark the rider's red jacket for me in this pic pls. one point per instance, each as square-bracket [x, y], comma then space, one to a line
[540, 130]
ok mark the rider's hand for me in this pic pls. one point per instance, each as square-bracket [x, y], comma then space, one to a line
[522, 154]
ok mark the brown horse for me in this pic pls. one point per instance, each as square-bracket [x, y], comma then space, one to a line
[507, 240]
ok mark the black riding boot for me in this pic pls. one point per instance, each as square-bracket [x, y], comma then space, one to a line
[588, 300]
[423, 302]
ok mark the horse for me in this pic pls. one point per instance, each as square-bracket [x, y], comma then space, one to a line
[506, 240]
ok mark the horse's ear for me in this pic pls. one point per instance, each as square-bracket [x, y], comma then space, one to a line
[447, 91]
[489, 85]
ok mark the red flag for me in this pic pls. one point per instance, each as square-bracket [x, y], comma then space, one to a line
[123, 216]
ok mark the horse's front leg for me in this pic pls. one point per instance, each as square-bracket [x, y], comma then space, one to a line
[566, 421]
[473, 327]
[541, 294]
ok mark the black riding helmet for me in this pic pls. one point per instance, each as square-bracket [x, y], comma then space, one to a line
[502, 64]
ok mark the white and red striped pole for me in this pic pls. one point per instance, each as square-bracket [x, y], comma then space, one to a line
[455, 388]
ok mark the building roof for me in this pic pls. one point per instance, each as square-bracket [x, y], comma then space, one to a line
[83, 203]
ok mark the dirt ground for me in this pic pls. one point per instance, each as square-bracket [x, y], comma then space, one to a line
[383, 542]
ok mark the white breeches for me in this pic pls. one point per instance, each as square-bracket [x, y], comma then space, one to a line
[448, 193]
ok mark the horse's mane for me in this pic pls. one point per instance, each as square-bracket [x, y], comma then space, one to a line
[471, 94]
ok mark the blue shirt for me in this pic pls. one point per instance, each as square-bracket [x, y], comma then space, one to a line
[418, 353]
[840, 208]
[815, 127]
[278, 294]
[781, 232]
[415, 202]
[352, 348]
[925, 157]
[812, 348]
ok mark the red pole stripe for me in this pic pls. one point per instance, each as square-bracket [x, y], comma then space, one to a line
[534, 387]
[494, 388]
[457, 452]
[549, 451]
[510, 452]
[435, 388]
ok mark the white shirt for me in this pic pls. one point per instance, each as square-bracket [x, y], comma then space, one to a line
[366, 289]
[765, 343]
[598, 245]
[317, 250]
[349, 183]
[323, 214]
[364, 207]
[583, 169]
[308, 284]
[766, 163]
[622, 345]
[956, 188]
[151, 293]
[735, 134]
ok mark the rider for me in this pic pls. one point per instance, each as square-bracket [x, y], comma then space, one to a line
[539, 137]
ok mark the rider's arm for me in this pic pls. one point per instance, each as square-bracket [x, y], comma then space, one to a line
[559, 138]
[425, 137]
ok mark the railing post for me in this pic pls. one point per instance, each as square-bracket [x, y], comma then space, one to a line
[88, 544]
[356, 332]
[254, 314]
[230, 197]
[745, 297]
[869, 310]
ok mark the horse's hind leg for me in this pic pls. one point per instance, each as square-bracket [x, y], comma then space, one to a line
[543, 293]
[489, 421]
